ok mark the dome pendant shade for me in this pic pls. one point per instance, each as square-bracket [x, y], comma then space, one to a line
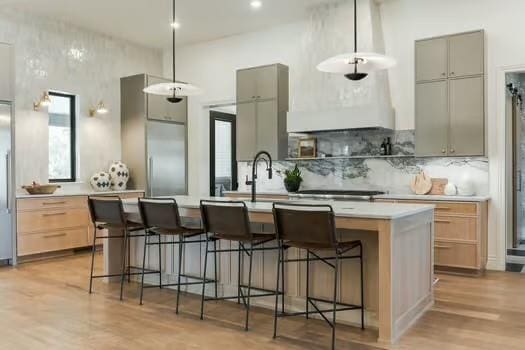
[174, 99]
[356, 76]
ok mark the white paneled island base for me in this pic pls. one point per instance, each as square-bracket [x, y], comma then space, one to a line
[398, 262]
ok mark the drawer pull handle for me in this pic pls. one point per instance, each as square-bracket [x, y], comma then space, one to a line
[54, 214]
[442, 221]
[55, 235]
[442, 247]
[53, 203]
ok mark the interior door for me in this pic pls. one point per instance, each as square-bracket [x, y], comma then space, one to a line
[166, 144]
[6, 204]
[223, 160]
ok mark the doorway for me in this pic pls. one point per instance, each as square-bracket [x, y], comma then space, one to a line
[223, 160]
[515, 115]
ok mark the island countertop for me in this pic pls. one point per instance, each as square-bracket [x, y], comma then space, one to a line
[349, 209]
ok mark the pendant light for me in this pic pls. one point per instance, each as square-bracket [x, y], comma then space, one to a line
[174, 90]
[356, 65]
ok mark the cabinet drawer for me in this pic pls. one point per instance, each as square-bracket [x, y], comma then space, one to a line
[456, 227]
[52, 203]
[34, 243]
[445, 208]
[453, 254]
[47, 220]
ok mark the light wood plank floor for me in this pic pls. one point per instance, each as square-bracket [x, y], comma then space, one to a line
[45, 305]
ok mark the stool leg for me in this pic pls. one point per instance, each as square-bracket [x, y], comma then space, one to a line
[336, 276]
[146, 239]
[282, 281]
[181, 243]
[307, 282]
[123, 271]
[362, 288]
[93, 249]
[239, 276]
[215, 265]
[204, 278]
[160, 262]
[249, 288]
[277, 291]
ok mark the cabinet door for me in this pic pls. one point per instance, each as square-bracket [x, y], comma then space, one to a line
[467, 119]
[266, 82]
[466, 54]
[266, 122]
[178, 112]
[246, 90]
[246, 131]
[431, 59]
[157, 105]
[6, 73]
[431, 118]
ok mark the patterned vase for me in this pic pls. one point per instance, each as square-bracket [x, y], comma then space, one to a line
[101, 182]
[119, 174]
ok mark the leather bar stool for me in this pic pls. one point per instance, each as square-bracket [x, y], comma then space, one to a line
[312, 228]
[161, 218]
[107, 213]
[228, 220]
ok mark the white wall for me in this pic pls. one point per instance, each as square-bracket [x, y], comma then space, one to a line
[51, 55]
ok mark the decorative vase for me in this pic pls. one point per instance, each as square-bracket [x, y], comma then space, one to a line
[291, 185]
[450, 189]
[119, 174]
[101, 182]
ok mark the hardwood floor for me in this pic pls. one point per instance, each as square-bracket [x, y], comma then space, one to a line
[45, 305]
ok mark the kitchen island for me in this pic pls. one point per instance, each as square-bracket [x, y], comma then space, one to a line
[398, 259]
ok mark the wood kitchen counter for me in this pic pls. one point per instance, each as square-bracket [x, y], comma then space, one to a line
[397, 238]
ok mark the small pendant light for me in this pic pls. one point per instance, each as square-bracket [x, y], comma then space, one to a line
[174, 90]
[356, 65]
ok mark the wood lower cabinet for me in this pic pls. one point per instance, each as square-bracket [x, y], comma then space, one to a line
[460, 235]
[52, 224]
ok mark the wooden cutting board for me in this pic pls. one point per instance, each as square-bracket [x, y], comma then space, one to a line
[421, 184]
[438, 186]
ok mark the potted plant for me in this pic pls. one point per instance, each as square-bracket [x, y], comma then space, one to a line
[292, 179]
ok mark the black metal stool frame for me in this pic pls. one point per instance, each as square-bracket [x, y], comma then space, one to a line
[254, 247]
[336, 306]
[125, 248]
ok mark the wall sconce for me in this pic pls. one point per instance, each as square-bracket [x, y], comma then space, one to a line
[44, 101]
[99, 109]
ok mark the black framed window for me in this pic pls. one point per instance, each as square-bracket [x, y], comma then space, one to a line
[62, 135]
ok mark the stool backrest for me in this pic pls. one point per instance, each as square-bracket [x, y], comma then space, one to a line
[228, 218]
[311, 223]
[108, 210]
[160, 213]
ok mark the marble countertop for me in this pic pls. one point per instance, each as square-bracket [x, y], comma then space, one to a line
[70, 193]
[362, 210]
[392, 196]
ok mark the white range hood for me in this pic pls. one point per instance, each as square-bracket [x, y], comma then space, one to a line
[323, 101]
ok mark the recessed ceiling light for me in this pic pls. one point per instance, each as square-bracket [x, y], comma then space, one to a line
[256, 4]
[175, 25]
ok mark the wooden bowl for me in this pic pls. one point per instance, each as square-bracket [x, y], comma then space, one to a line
[41, 189]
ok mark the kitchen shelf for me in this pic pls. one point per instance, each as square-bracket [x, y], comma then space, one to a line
[353, 157]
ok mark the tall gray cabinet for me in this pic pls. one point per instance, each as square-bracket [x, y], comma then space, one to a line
[450, 95]
[262, 104]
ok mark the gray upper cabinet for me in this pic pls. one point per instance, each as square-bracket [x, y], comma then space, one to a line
[467, 125]
[158, 108]
[466, 53]
[7, 90]
[449, 108]
[432, 122]
[262, 104]
[431, 59]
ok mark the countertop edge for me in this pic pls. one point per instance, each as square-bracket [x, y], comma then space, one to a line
[73, 194]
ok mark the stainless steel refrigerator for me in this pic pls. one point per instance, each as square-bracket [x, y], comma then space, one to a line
[6, 183]
[154, 138]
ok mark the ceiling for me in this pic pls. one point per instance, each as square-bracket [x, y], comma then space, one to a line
[147, 22]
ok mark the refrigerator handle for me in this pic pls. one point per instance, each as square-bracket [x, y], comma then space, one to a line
[8, 180]
[150, 176]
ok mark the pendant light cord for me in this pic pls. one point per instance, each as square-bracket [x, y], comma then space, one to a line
[173, 44]
[355, 36]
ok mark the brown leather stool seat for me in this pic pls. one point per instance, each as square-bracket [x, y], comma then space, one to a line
[312, 227]
[228, 220]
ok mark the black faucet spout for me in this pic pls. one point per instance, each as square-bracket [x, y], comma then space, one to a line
[267, 158]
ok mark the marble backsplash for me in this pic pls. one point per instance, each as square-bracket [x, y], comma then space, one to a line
[368, 171]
